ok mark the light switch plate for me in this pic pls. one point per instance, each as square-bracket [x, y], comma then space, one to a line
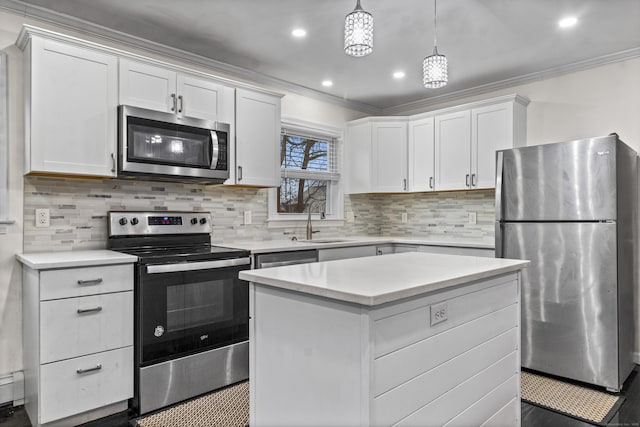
[247, 218]
[439, 313]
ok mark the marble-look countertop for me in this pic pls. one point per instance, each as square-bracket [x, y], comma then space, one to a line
[284, 245]
[377, 280]
[48, 260]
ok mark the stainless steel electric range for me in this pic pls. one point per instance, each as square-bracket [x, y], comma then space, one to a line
[191, 310]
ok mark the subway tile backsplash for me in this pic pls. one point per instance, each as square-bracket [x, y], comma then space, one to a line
[78, 209]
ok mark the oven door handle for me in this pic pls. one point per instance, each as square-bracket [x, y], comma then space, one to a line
[194, 266]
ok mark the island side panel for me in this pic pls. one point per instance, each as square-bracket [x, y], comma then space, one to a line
[306, 360]
[464, 370]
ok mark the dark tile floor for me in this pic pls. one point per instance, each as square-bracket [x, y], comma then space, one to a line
[532, 416]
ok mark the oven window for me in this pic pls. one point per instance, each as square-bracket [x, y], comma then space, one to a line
[196, 304]
[161, 143]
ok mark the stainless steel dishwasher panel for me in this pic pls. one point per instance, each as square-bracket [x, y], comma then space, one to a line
[278, 259]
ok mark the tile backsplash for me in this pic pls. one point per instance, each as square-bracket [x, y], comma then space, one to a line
[78, 212]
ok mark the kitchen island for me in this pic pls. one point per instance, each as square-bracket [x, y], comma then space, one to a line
[409, 339]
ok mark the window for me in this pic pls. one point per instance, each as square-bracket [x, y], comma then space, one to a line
[310, 173]
[4, 148]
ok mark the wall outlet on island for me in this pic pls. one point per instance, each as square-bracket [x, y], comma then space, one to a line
[42, 218]
[473, 218]
[247, 218]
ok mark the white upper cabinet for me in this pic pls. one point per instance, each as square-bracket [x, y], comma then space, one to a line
[162, 89]
[376, 155]
[493, 128]
[450, 149]
[421, 154]
[453, 151]
[71, 99]
[257, 139]
[389, 155]
[357, 158]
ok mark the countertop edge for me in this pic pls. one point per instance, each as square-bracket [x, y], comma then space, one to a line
[254, 276]
[88, 258]
[302, 245]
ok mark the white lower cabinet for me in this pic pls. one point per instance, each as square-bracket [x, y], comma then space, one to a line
[73, 386]
[78, 342]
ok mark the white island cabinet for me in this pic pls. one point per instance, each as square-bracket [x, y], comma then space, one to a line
[408, 339]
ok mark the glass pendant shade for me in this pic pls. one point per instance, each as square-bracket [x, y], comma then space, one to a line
[358, 32]
[434, 67]
[434, 70]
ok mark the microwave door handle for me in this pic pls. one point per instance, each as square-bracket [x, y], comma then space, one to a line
[215, 148]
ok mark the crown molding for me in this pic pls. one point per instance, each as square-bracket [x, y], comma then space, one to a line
[427, 103]
[127, 40]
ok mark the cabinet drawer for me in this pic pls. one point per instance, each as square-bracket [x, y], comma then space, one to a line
[398, 331]
[74, 327]
[65, 392]
[76, 282]
[451, 250]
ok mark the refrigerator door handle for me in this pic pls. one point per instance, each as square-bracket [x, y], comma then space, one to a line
[499, 239]
[499, 168]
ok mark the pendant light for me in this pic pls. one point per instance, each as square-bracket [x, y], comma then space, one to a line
[358, 32]
[434, 67]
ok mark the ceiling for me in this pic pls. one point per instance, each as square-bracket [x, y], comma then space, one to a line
[485, 41]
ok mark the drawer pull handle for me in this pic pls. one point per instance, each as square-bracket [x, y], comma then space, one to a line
[95, 368]
[89, 310]
[89, 282]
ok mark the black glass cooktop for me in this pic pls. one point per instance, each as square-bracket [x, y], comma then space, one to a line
[183, 253]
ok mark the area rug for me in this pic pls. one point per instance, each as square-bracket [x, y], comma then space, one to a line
[583, 403]
[228, 407]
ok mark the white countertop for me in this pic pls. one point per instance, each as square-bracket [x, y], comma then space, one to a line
[284, 245]
[380, 279]
[48, 260]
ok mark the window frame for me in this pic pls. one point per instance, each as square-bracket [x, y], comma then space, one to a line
[334, 214]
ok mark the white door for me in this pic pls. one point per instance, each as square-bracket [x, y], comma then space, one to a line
[491, 130]
[421, 155]
[453, 151]
[257, 139]
[74, 97]
[147, 86]
[357, 163]
[200, 98]
[389, 157]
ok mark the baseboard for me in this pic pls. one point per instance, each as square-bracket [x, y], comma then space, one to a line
[12, 389]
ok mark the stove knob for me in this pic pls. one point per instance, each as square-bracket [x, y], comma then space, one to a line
[123, 221]
[203, 221]
[134, 221]
[194, 221]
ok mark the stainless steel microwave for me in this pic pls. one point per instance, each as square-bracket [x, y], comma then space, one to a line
[169, 147]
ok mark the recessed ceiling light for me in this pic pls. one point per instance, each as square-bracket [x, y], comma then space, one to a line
[567, 22]
[327, 83]
[299, 32]
[398, 75]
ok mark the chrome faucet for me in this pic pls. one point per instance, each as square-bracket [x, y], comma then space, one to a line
[309, 226]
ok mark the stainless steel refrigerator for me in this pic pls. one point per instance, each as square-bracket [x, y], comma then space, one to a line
[571, 209]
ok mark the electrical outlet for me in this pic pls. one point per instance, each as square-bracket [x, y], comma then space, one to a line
[473, 217]
[439, 313]
[247, 218]
[42, 218]
[404, 217]
[351, 217]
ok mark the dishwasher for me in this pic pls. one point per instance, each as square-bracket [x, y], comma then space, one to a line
[279, 259]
